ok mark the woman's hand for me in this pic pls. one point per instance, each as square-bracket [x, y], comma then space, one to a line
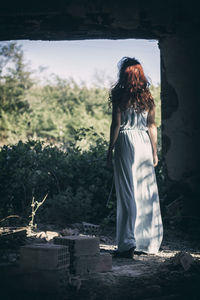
[114, 132]
[155, 159]
[152, 129]
[109, 159]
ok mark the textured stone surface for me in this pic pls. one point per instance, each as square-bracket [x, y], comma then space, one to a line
[82, 19]
[183, 259]
[180, 64]
[86, 264]
[84, 254]
[44, 257]
[145, 277]
[79, 245]
[105, 263]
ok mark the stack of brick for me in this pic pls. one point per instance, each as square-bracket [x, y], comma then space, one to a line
[85, 256]
[44, 257]
[46, 266]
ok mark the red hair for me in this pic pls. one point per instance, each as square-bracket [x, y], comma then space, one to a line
[132, 87]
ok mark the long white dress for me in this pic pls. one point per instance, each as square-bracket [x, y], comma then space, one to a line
[139, 221]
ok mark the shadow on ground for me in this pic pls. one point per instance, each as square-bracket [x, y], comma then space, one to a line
[173, 273]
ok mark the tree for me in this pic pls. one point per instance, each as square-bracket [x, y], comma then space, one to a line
[54, 110]
[15, 78]
[15, 82]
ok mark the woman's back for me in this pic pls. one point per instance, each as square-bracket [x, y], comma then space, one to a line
[130, 119]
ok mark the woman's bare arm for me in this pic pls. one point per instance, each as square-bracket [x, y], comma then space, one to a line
[115, 125]
[152, 128]
[114, 131]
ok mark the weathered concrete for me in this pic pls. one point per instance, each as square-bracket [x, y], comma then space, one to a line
[85, 19]
[85, 254]
[44, 257]
[105, 263]
[180, 64]
[79, 245]
[183, 259]
[87, 264]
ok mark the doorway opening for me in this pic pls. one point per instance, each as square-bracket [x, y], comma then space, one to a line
[56, 120]
[61, 87]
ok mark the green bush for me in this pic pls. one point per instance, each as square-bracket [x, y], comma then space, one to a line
[78, 182]
[73, 173]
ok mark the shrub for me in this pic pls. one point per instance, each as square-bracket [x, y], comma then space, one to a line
[78, 182]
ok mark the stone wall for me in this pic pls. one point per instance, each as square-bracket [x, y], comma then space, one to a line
[82, 19]
[180, 64]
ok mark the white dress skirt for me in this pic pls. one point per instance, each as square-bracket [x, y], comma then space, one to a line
[139, 221]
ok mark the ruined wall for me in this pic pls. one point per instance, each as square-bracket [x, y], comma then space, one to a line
[180, 104]
[82, 19]
[174, 23]
[180, 65]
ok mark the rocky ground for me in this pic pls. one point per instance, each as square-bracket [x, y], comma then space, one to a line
[173, 273]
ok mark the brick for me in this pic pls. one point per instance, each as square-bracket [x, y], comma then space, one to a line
[44, 257]
[105, 263]
[90, 228]
[85, 254]
[79, 245]
[85, 264]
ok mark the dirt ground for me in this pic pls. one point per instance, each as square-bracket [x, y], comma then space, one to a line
[162, 276]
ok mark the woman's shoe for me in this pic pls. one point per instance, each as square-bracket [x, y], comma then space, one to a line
[140, 253]
[124, 254]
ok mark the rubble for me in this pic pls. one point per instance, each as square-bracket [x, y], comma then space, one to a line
[12, 236]
[91, 229]
[92, 271]
[69, 231]
[85, 256]
[182, 258]
[44, 257]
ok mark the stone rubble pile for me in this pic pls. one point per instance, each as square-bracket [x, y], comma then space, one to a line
[85, 256]
[181, 259]
[50, 266]
[44, 257]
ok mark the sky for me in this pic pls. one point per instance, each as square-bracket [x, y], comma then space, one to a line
[84, 60]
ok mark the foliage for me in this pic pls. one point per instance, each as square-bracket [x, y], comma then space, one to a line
[52, 111]
[155, 90]
[78, 182]
[35, 205]
[15, 81]
[54, 141]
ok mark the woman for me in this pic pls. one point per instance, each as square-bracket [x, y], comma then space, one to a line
[133, 136]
